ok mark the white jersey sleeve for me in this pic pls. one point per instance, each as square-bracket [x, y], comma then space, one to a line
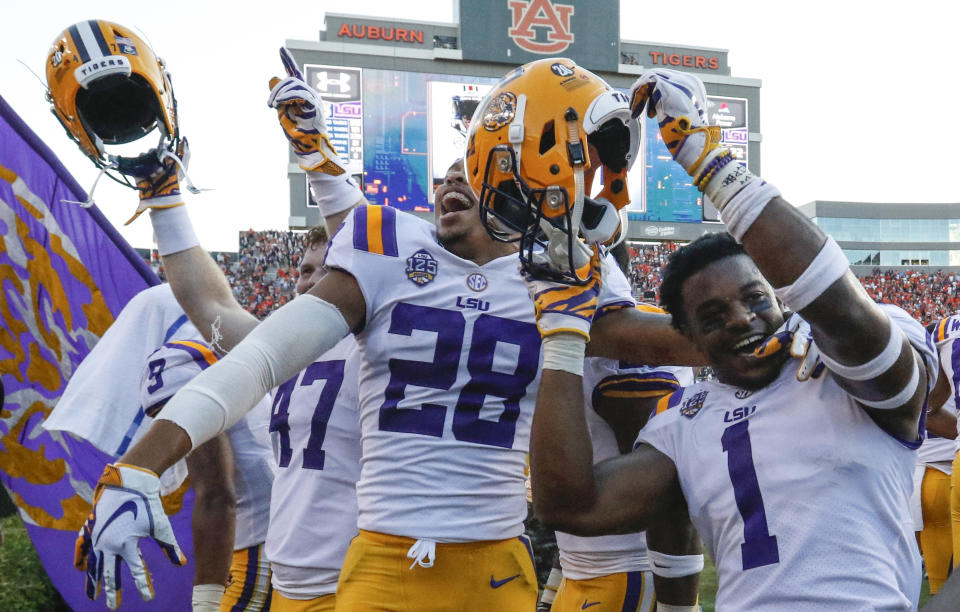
[450, 364]
[584, 558]
[801, 499]
[315, 429]
[167, 370]
[615, 291]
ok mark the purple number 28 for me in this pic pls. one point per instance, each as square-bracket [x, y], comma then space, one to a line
[441, 373]
[759, 548]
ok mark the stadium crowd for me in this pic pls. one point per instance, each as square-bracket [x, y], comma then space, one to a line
[264, 271]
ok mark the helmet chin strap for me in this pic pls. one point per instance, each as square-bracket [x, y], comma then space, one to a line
[559, 241]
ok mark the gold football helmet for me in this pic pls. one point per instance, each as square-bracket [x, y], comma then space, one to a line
[534, 142]
[107, 87]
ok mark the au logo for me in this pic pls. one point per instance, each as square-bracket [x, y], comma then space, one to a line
[692, 406]
[540, 26]
[421, 268]
[477, 282]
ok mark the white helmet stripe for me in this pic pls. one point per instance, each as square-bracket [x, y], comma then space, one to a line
[95, 44]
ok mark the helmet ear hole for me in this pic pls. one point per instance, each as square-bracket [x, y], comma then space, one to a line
[612, 141]
[548, 138]
[118, 109]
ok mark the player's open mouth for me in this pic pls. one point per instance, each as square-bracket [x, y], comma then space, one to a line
[747, 344]
[454, 201]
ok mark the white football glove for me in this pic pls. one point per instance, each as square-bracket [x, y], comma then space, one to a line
[679, 102]
[300, 110]
[796, 334]
[126, 507]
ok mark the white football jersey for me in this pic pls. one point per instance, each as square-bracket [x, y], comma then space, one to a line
[584, 558]
[315, 429]
[171, 367]
[450, 365]
[947, 338]
[801, 499]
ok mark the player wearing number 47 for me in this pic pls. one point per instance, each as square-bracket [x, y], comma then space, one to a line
[799, 490]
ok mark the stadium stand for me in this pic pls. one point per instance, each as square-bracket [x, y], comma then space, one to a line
[264, 272]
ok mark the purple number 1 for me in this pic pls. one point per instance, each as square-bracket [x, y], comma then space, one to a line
[759, 548]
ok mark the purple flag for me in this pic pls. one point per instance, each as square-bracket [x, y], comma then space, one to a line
[65, 274]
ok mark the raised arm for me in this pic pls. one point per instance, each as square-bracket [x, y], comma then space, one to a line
[865, 350]
[620, 495]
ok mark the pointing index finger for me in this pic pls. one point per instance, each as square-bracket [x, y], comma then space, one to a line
[289, 63]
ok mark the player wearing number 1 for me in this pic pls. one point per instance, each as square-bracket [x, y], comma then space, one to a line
[799, 490]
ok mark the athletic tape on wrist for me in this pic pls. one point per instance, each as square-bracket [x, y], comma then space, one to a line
[876, 366]
[827, 267]
[206, 597]
[283, 344]
[746, 205]
[552, 585]
[674, 566]
[173, 230]
[900, 398]
[333, 194]
[564, 352]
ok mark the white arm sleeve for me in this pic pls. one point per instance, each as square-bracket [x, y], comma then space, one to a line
[285, 343]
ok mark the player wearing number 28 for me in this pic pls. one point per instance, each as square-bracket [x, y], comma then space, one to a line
[799, 489]
[449, 352]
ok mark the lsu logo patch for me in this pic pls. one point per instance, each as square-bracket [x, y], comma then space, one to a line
[692, 406]
[421, 268]
[477, 282]
[500, 111]
[551, 19]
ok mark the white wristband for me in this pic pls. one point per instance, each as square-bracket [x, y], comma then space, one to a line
[206, 597]
[746, 205]
[674, 566]
[876, 366]
[333, 194]
[827, 267]
[564, 352]
[900, 398]
[173, 230]
[283, 344]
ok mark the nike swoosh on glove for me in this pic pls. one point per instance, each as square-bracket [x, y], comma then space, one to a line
[126, 508]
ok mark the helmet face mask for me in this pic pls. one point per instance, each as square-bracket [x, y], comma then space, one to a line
[528, 157]
[107, 87]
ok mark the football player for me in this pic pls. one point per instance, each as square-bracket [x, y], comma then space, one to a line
[613, 572]
[248, 585]
[940, 485]
[800, 490]
[450, 355]
[230, 474]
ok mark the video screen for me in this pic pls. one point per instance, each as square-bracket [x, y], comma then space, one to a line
[669, 194]
[400, 131]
